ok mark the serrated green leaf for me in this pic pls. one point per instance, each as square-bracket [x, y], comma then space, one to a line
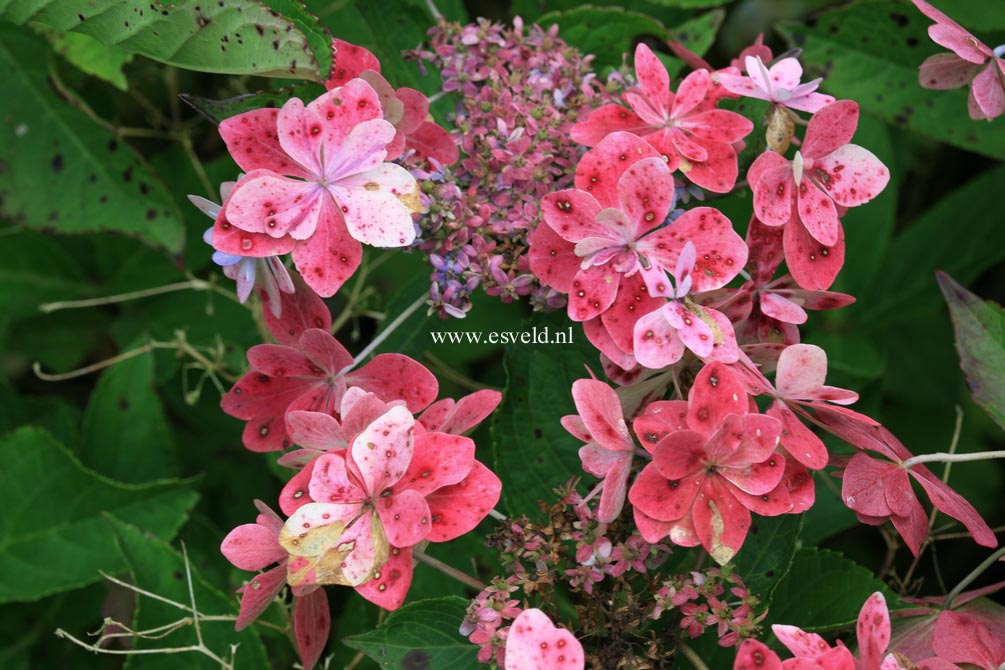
[422, 634]
[881, 73]
[52, 535]
[825, 590]
[534, 454]
[980, 342]
[276, 38]
[104, 61]
[62, 172]
[156, 567]
[767, 554]
[124, 434]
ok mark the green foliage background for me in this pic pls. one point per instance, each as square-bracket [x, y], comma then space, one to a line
[113, 471]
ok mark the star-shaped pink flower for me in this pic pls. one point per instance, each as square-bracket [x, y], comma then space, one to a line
[778, 84]
[971, 62]
[697, 140]
[317, 185]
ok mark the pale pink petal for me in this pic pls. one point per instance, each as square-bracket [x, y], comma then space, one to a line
[786, 73]
[252, 546]
[873, 631]
[782, 309]
[331, 482]
[959, 41]
[802, 368]
[405, 516]
[600, 410]
[375, 217]
[799, 642]
[988, 91]
[572, 215]
[810, 102]
[725, 348]
[654, 82]
[656, 343]
[311, 624]
[534, 642]
[736, 83]
[851, 175]
[612, 498]
[230, 239]
[337, 113]
[275, 206]
[690, 327]
[383, 451]
[946, 71]
[253, 142]
[362, 150]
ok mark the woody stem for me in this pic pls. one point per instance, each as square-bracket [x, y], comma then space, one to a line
[952, 458]
[977, 572]
[449, 571]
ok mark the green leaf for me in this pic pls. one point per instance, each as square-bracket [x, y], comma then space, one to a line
[125, 434]
[36, 269]
[978, 15]
[697, 35]
[156, 567]
[92, 57]
[277, 38]
[218, 110]
[824, 590]
[422, 634]
[534, 454]
[980, 341]
[52, 535]
[61, 171]
[927, 245]
[767, 553]
[605, 32]
[689, 4]
[881, 73]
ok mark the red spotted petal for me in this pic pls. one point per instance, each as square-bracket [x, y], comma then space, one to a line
[817, 213]
[720, 521]
[552, 259]
[258, 594]
[605, 120]
[298, 311]
[330, 256]
[405, 516]
[721, 252]
[349, 61]
[311, 623]
[438, 460]
[593, 290]
[383, 451]
[659, 419]
[600, 169]
[458, 508]
[813, 265]
[755, 655]
[873, 631]
[946, 71]
[535, 642]
[253, 142]
[390, 583]
[831, 127]
[718, 170]
[397, 377]
[716, 393]
[851, 175]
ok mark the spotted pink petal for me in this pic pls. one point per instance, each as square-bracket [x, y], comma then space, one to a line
[298, 311]
[552, 259]
[253, 142]
[330, 256]
[600, 169]
[601, 338]
[252, 546]
[276, 206]
[336, 114]
[817, 213]
[397, 377]
[692, 330]
[311, 623]
[350, 61]
[691, 93]
[325, 351]
[658, 420]
[813, 265]
[654, 82]
[390, 583]
[535, 642]
[799, 441]
[946, 71]
[296, 492]
[258, 594]
[770, 177]
[603, 121]
[830, 128]
[850, 175]
[405, 516]
[277, 360]
[330, 482]
[632, 302]
[652, 530]
[755, 655]
[720, 251]
[717, 125]
[615, 474]
[430, 141]
[656, 342]
[438, 460]
[873, 631]
[230, 239]
[382, 452]
[572, 215]
[781, 308]
[717, 172]
[458, 508]
[592, 292]
[646, 194]
[717, 392]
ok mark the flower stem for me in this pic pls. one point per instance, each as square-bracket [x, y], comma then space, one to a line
[977, 572]
[192, 284]
[691, 655]
[449, 571]
[952, 458]
[384, 334]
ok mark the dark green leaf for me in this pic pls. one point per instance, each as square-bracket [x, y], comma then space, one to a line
[870, 53]
[36, 269]
[534, 454]
[155, 566]
[272, 37]
[767, 553]
[605, 32]
[52, 535]
[62, 172]
[824, 590]
[125, 435]
[218, 110]
[91, 56]
[980, 342]
[422, 634]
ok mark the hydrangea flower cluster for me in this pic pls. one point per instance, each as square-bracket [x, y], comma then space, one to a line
[373, 479]
[519, 93]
